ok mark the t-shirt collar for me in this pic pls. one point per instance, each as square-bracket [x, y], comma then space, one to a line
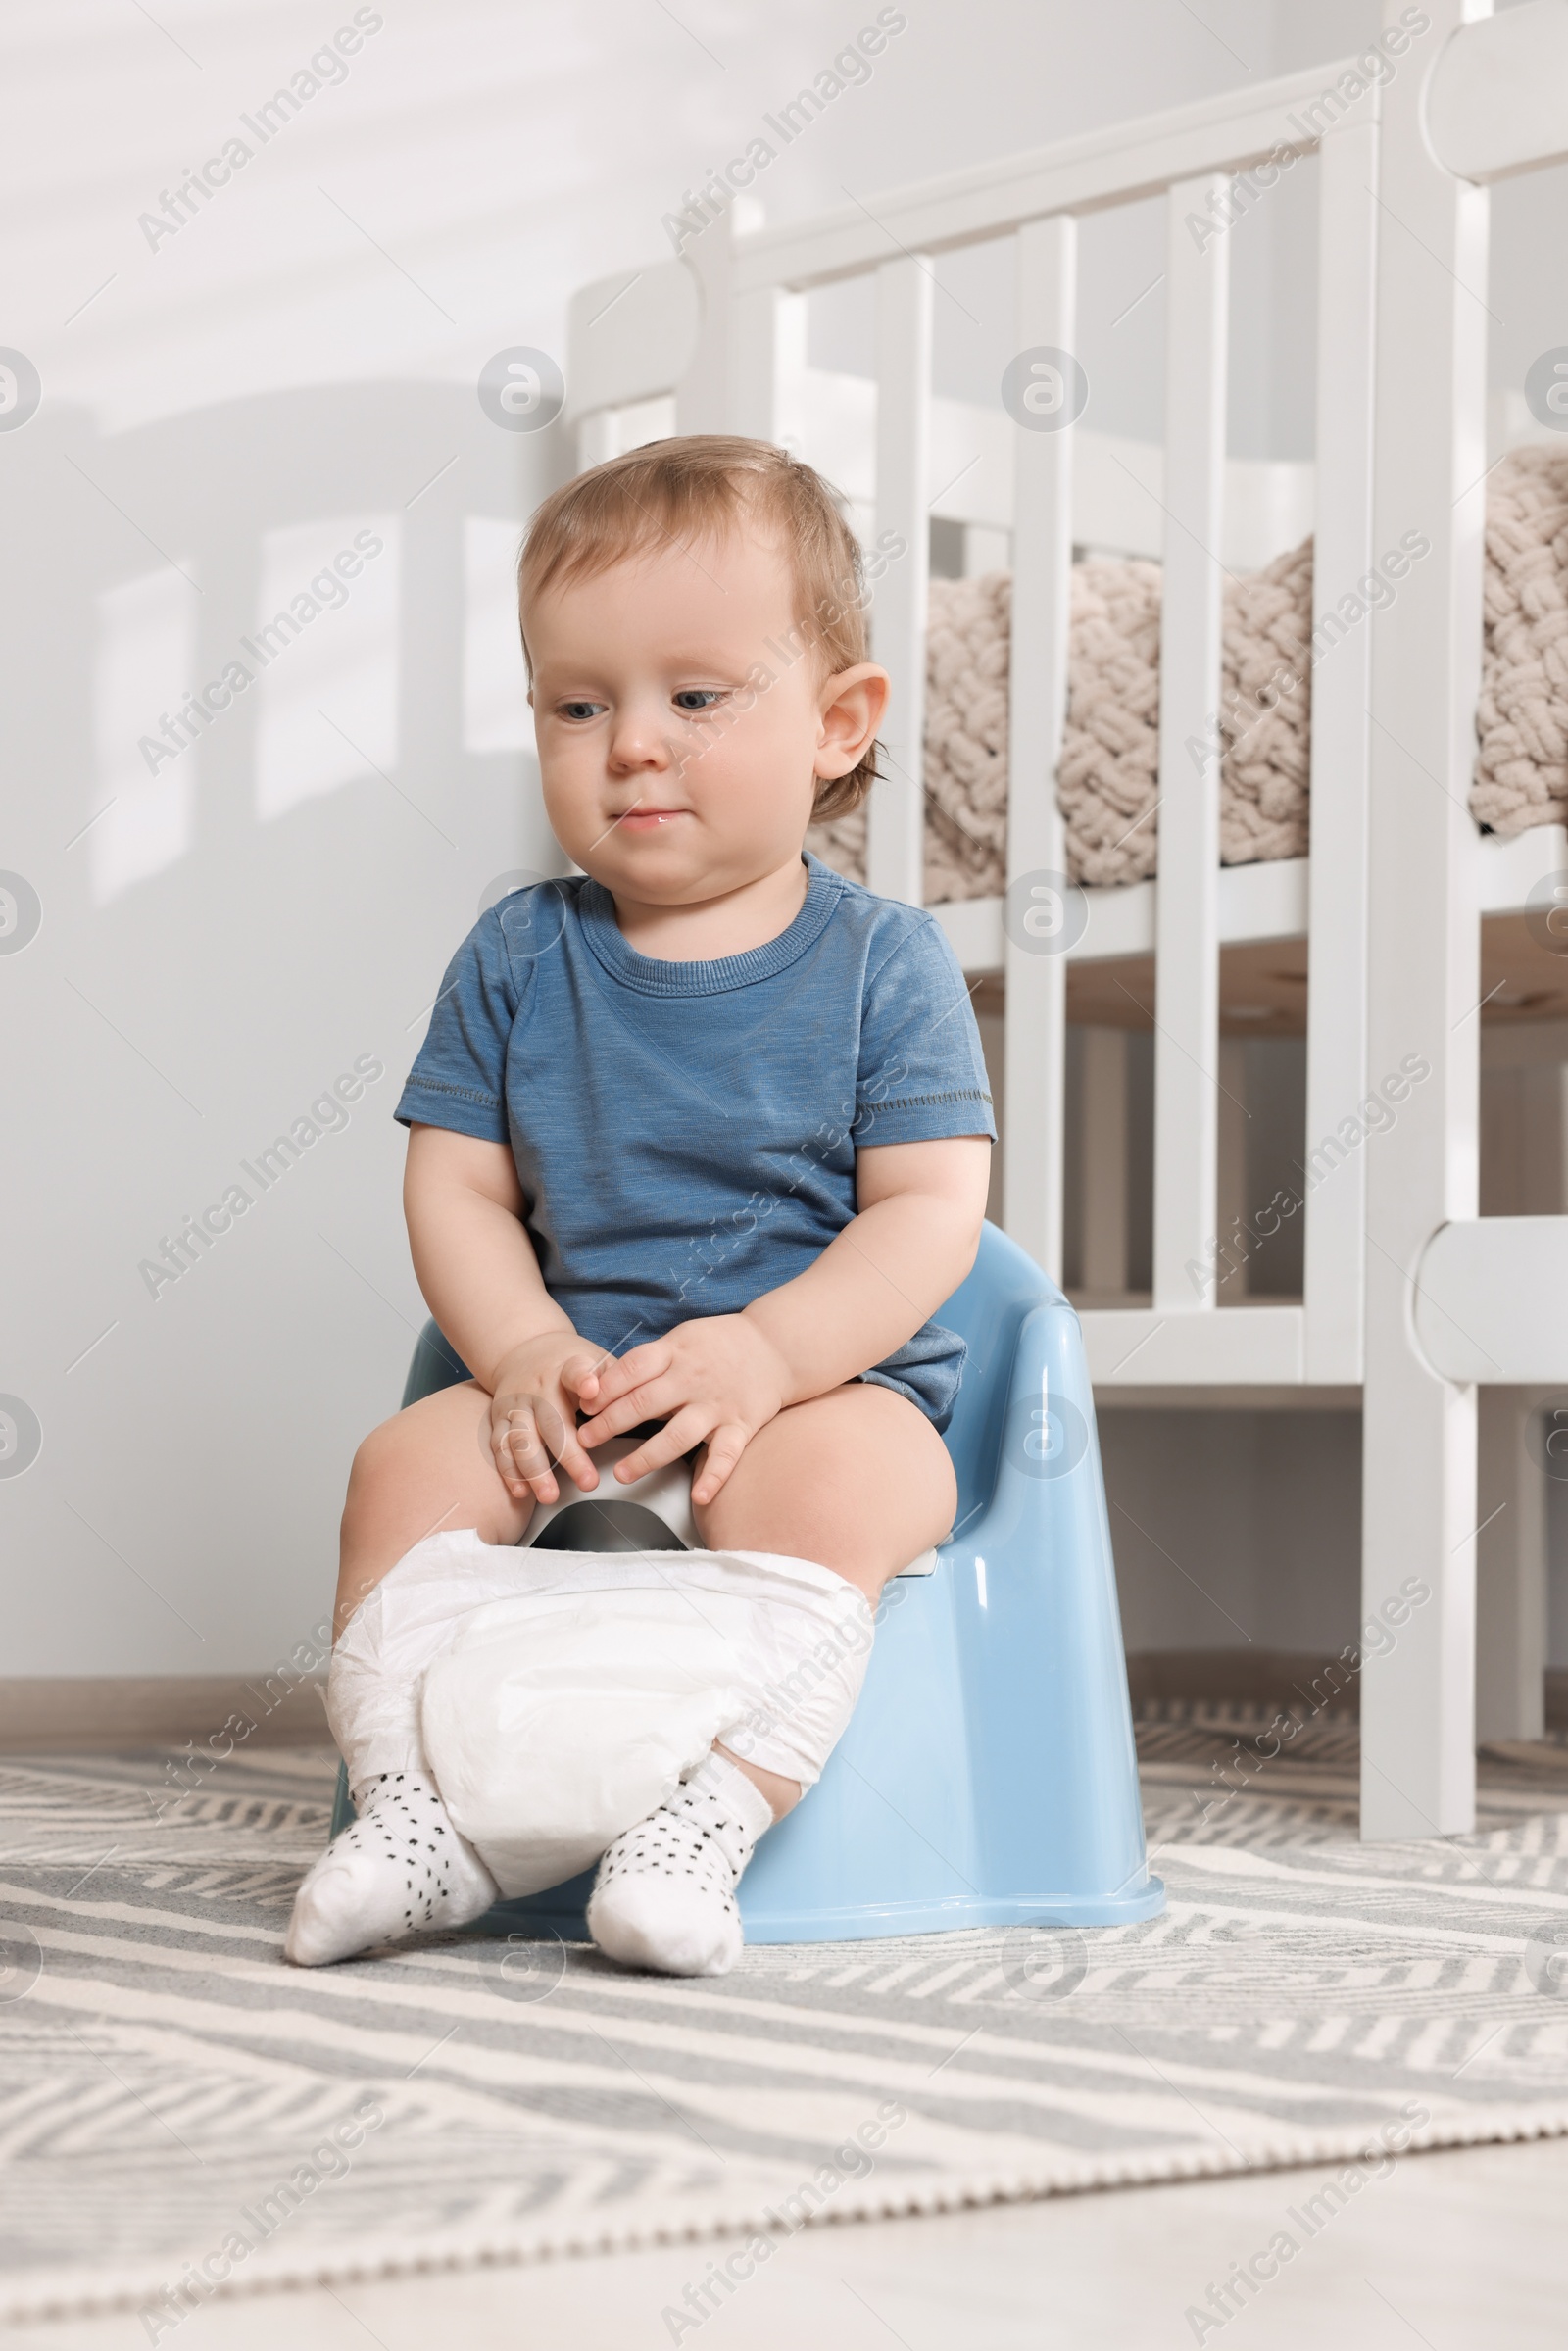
[656, 977]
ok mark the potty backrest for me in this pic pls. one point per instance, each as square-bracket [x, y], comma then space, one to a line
[987, 1312]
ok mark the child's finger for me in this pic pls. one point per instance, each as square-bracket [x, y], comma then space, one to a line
[654, 1400]
[522, 1459]
[725, 1448]
[619, 1374]
[675, 1438]
[556, 1433]
[570, 1457]
[582, 1374]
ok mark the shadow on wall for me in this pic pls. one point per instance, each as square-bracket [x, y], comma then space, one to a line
[157, 563]
[237, 905]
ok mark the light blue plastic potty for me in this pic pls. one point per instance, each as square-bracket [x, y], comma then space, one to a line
[988, 1777]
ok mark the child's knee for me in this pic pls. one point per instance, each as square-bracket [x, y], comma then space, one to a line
[378, 1458]
[445, 1436]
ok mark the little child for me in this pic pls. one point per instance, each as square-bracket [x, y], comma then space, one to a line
[699, 1138]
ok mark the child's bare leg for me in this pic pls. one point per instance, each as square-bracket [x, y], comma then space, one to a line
[857, 1480]
[426, 1471]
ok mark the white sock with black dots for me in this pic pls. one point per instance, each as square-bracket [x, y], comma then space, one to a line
[664, 1896]
[399, 1868]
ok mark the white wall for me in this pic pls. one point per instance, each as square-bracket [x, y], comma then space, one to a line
[223, 411]
[1236, 1530]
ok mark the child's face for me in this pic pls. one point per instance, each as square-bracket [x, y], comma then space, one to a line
[673, 771]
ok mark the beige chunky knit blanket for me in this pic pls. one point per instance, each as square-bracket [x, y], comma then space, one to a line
[1108, 780]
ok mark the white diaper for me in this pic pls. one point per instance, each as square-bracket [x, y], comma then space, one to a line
[556, 1697]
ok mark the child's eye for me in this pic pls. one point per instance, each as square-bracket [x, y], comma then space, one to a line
[697, 698]
[580, 710]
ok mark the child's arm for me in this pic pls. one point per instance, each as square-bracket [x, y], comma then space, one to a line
[480, 1279]
[724, 1376]
[921, 1207]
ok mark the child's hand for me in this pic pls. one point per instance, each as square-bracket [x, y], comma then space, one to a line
[720, 1377]
[533, 1414]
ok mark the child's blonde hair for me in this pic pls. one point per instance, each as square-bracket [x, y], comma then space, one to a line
[702, 485]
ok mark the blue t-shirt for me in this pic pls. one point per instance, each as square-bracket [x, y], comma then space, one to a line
[685, 1133]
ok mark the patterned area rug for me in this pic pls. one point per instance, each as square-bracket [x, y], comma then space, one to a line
[182, 2113]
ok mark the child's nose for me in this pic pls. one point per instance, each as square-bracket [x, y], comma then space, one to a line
[640, 740]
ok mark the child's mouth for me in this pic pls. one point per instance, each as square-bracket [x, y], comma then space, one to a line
[647, 820]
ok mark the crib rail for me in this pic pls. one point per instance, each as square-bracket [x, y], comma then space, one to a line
[1407, 1293]
[1119, 164]
[1408, 1296]
[1188, 156]
[736, 358]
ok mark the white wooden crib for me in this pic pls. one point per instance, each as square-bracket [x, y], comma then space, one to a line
[1410, 1300]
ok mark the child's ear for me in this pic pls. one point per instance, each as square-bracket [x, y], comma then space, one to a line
[854, 705]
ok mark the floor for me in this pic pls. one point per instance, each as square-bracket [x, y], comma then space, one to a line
[1462, 2251]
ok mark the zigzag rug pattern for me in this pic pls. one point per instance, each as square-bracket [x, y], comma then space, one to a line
[182, 2114]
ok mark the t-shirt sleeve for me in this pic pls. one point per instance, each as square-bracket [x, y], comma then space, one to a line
[922, 1072]
[458, 1074]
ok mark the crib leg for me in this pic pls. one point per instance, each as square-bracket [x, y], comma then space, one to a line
[1510, 1570]
[1418, 1516]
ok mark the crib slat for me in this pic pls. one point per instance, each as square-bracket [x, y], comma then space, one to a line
[1340, 689]
[896, 833]
[767, 352]
[1035, 1047]
[1187, 910]
[754, 362]
[704, 393]
[597, 438]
